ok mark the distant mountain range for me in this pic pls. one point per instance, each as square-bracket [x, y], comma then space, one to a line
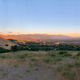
[22, 38]
[37, 37]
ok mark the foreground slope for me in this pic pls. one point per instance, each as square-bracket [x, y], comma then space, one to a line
[40, 65]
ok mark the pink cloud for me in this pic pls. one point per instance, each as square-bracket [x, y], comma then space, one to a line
[9, 32]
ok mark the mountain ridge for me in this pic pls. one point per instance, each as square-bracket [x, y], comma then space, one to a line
[35, 37]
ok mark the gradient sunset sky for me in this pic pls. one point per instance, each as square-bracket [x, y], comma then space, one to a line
[40, 16]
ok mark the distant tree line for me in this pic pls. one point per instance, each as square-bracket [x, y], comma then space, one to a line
[41, 47]
[2, 50]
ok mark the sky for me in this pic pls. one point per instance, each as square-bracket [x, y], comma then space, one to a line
[40, 17]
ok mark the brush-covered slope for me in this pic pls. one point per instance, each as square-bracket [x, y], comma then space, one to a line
[3, 43]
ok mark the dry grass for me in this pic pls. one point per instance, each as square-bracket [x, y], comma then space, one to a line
[5, 41]
[70, 65]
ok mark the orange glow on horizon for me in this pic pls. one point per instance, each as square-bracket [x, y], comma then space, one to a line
[65, 34]
[73, 35]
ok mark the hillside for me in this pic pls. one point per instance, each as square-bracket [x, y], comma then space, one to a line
[5, 41]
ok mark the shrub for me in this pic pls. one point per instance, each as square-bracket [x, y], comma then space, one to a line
[59, 68]
[4, 74]
[36, 63]
[31, 65]
[59, 59]
[6, 44]
[77, 64]
[66, 54]
[47, 60]
[62, 52]
[5, 56]
[34, 59]
[26, 54]
[36, 69]
[2, 56]
[14, 48]
[15, 65]
[27, 70]
[78, 54]
[2, 50]
[34, 48]
[51, 54]
[20, 56]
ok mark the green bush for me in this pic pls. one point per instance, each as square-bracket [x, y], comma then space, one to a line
[78, 54]
[14, 48]
[62, 52]
[77, 64]
[6, 44]
[34, 59]
[2, 50]
[20, 56]
[47, 60]
[5, 56]
[26, 54]
[59, 59]
[2, 56]
[51, 54]
[34, 48]
[15, 65]
[66, 54]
